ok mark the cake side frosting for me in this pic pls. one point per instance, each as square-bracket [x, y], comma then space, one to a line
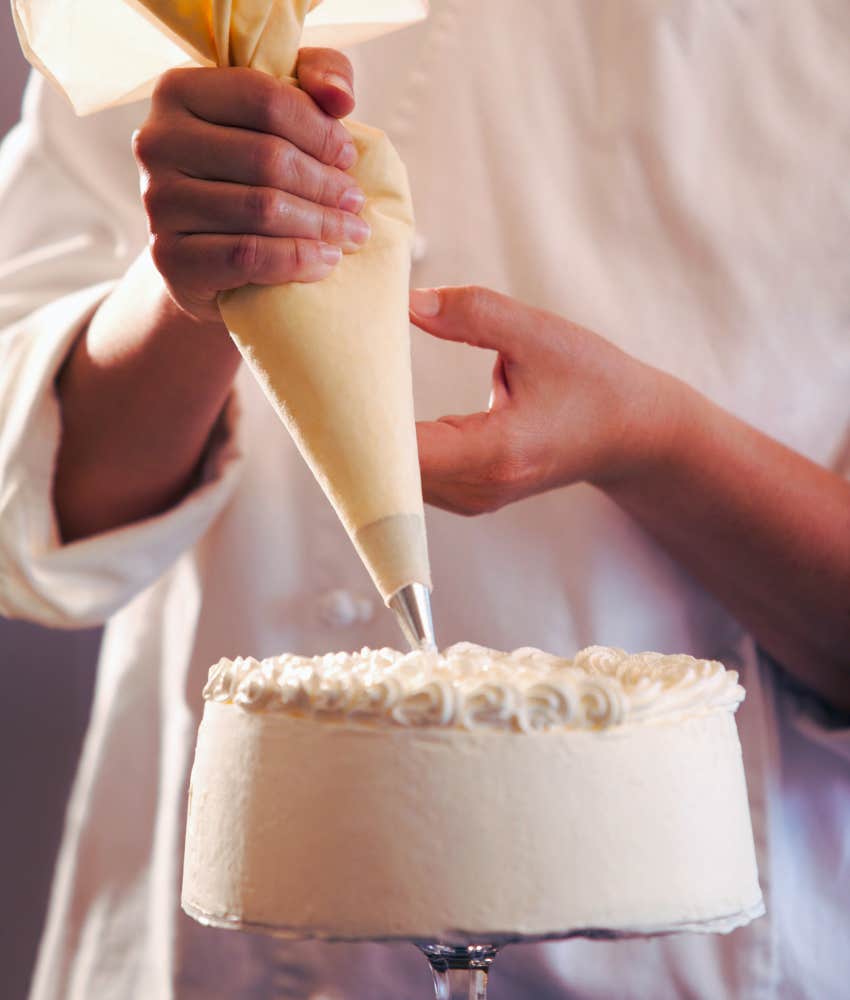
[348, 832]
[468, 686]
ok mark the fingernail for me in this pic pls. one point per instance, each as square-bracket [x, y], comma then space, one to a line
[330, 254]
[425, 301]
[347, 157]
[352, 201]
[340, 82]
[357, 230]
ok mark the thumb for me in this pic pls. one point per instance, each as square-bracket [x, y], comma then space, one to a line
[459, 459]
[476, 316]
[452, 444]
[327, 76]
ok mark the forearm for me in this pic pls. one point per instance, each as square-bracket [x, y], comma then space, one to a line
[139, 394]
[764, 529]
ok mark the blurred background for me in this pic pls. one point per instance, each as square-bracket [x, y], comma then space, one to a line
[47, 680]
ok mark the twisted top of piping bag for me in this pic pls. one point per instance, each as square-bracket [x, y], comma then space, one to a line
[119, 49]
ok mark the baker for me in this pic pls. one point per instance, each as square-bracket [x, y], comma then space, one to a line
[615, 173]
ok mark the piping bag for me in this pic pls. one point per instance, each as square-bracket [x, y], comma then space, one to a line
[332, 357]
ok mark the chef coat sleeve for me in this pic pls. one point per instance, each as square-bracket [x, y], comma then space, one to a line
[815, 721]
[70, 225]
[811, 718]
[821, 725]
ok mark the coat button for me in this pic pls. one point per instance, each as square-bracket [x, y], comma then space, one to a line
[341, 608]
[419, 250]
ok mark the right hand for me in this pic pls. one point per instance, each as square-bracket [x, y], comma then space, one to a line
[243, 178]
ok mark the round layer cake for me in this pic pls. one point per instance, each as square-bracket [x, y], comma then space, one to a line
[470, 795]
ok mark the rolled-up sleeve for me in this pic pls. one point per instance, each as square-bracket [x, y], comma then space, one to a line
[807, 716]
[822, 726]
[69, 204]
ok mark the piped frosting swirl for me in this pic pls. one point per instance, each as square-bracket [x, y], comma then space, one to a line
[468, 686]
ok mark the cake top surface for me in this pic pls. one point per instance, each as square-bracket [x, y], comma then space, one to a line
[468, 686]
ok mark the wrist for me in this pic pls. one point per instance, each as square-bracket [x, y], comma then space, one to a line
[662, 416]
[141, 346]
[166, 311]
[139, 395]
[172, 316]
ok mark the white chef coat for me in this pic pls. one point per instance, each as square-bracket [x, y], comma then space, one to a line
[671, 173]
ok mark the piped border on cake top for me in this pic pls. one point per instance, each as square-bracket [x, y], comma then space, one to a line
[468, 686]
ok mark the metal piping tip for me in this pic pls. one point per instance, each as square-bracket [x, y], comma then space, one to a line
[412, 606]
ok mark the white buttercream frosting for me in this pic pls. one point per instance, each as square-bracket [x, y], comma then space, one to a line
[468, 686]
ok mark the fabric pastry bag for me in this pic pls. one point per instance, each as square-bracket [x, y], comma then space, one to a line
[333, 357]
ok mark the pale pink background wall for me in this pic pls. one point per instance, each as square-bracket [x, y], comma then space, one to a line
[46, 680]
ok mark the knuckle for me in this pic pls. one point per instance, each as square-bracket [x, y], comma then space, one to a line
[147, 142]
[325, 187]
[510, 469]
[150, 196]
[302, 255]
[305, 180]
[332, 141]
[158, 196]
[475, 300]
[332, 226]
[503, 474]
[267, 103]
[246, 255]
[297, 176]
[169, 86]
[262, 206]
[162, 253]
[145, 183]
[273, 161]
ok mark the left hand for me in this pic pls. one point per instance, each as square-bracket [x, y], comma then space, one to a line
[761, 527]
[566, 406]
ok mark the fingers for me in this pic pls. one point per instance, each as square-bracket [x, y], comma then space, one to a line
[478, 463]
[198, 266]
[248, 99]
[451, 454]
[471, 464]
[327, 76]
[221, 153]
[243, 179]
[187, 205]
[476, 316]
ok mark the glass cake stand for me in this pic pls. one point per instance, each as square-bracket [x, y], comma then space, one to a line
[460, 971]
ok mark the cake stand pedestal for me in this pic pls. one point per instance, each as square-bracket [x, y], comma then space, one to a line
[460, 971]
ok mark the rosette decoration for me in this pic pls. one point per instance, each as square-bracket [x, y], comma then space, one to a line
[332, 357]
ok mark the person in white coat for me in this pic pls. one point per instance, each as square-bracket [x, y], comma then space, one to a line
[670, 175]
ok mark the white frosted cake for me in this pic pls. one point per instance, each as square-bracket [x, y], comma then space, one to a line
[470, 795]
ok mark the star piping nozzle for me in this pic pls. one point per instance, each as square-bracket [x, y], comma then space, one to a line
[412, 607]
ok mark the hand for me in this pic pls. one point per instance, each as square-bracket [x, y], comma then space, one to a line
[243, 178]
[761, 527]
[566, 406]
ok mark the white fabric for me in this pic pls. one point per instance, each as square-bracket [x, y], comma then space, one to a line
[672, 174]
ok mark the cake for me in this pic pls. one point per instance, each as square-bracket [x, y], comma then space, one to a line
[470, 795]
